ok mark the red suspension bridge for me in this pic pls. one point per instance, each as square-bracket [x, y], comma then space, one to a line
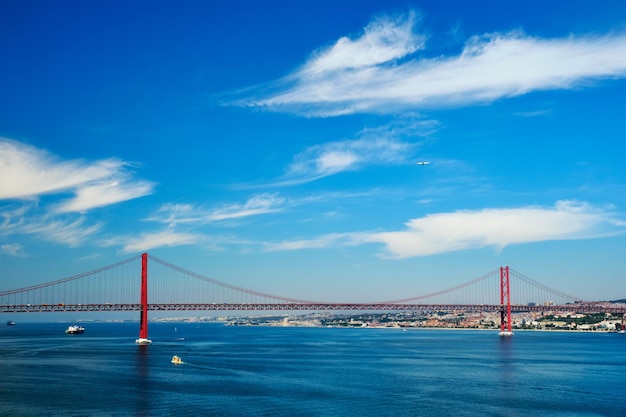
[124, 287]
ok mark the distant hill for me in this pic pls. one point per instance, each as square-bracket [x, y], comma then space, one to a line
[623, 300]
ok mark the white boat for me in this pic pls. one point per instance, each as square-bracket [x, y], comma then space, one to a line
[75, 329]
[142, 341]
[505, 333]
[176, 360]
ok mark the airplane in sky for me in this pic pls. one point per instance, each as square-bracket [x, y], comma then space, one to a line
[422, 163]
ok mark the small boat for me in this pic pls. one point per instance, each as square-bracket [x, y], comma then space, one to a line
[176, 360]
[75, 329]
[10, 323]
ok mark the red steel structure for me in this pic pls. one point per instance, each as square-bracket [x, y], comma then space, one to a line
[505, 297]
[114, 288]
[313, 306]
[143, 315]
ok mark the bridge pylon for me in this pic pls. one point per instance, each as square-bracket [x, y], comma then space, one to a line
[505, 303]
[143, 314]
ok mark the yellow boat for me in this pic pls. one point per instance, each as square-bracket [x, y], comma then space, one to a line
[177, 360]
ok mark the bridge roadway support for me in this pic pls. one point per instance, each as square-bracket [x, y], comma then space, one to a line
[143, 313]
[505, 297]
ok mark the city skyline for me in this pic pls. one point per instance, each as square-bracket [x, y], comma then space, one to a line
[276, 145]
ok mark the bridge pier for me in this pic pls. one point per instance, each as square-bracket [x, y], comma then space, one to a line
[505, 309]
[143, 314]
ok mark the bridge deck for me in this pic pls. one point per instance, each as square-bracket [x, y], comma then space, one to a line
[47, 308]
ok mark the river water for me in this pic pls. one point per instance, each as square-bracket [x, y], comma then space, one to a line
[287, 371]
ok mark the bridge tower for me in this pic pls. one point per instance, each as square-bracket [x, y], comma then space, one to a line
[143, 314]
[505, 297]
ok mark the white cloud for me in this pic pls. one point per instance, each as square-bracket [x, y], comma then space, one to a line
[174, 213]
[331, 158]
[394, 143]
[57, 230]
[104, 194]
[378, 72]
[324, 241]
[147, 241]
[25, 220]
[384, 39]
[12, 218]
[535, 113]
[498, 228]
[465, 230]
[13, 249]
[28, 172]
[383, 145]
[259, 204]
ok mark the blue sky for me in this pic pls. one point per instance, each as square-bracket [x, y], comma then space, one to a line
[272, 145]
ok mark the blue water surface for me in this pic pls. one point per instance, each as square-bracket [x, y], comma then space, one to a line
[276, 371]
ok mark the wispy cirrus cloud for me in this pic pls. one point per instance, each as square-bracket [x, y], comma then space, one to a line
[104, 193]
[13, 249]
[466, 230]
[385, 39]
[71, 232]
[534, 113]
[321, 161]
[23, 220]
[389, 144]
[29, 172]
[319, 242]
[259, 204]
[152, 240]
[379, 72]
